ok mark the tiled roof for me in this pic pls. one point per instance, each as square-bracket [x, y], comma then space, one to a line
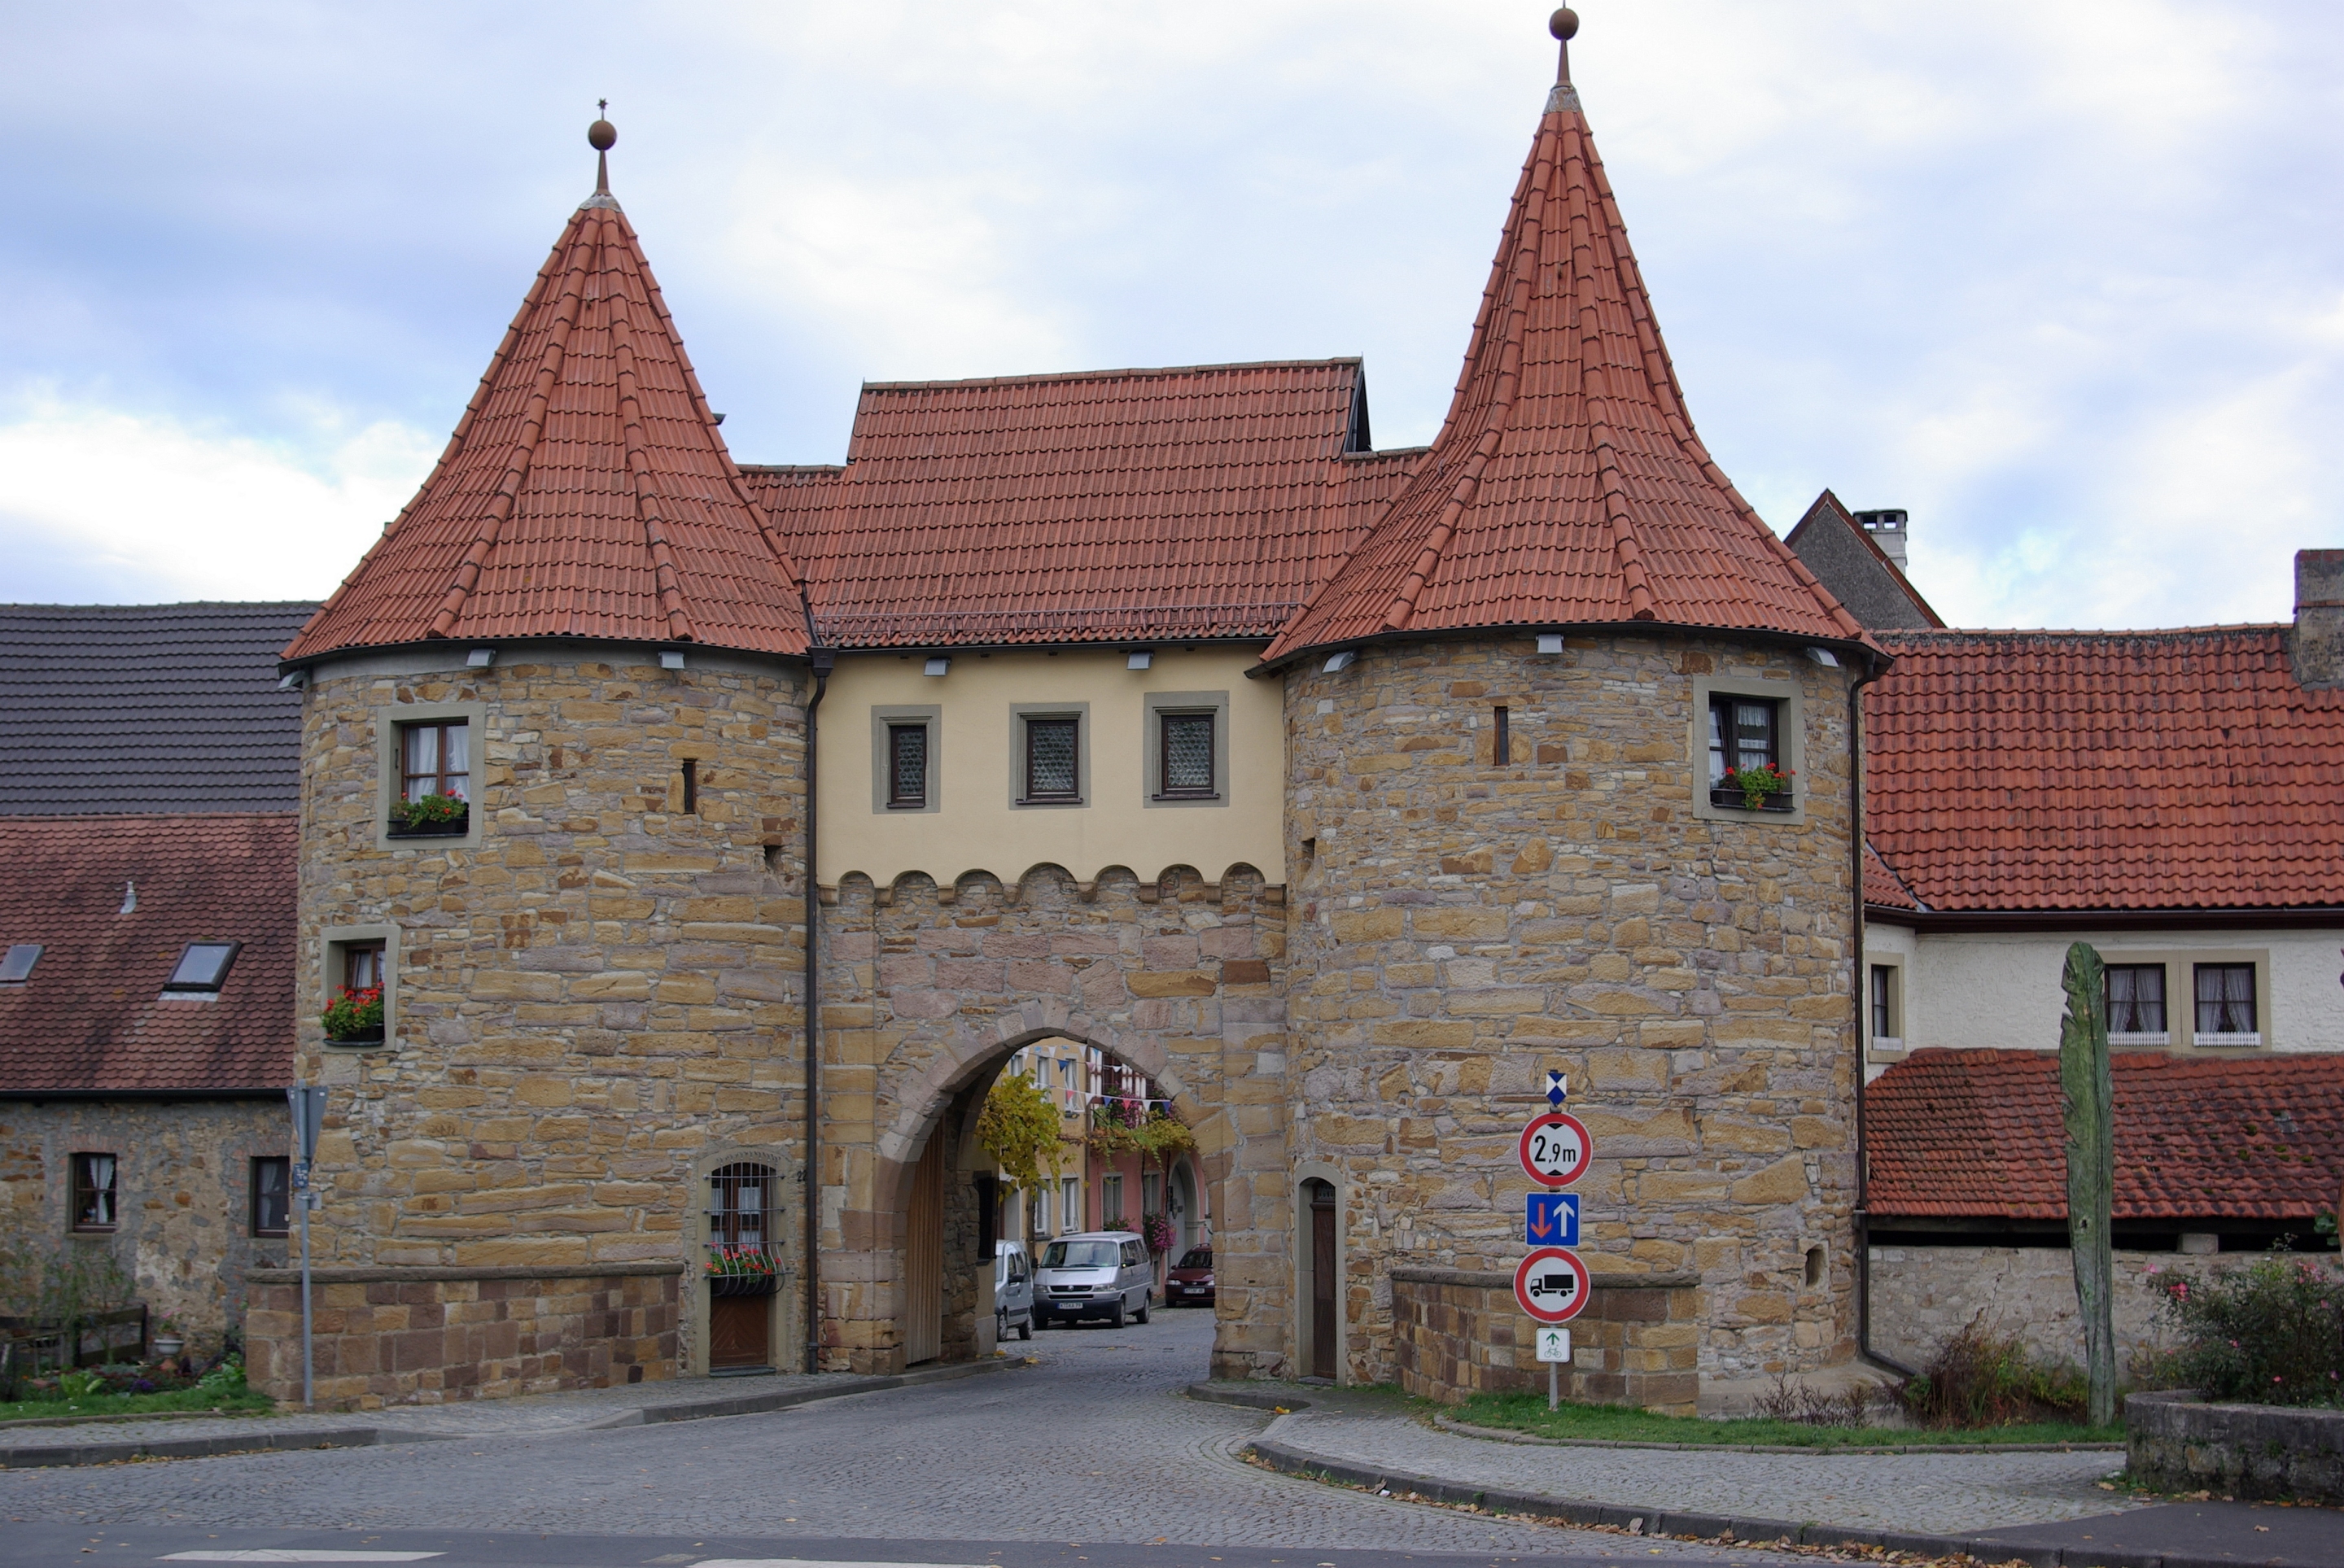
[91, 1016]
[1881, 888]
[2015, 770]
[1195, 501]
[1566, 485]
[1980, 1134]
[585, 493]
[147, 707]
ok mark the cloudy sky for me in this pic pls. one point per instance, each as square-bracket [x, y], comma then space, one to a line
[2061, 277]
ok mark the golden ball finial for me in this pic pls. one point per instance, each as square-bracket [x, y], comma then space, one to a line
[1563, 24]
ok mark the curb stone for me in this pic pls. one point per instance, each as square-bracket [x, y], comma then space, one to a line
[1246, 1397]
[1504, 1435]
[1747, 1531]
[26, 1456]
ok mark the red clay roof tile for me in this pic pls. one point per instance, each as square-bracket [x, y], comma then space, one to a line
[1567, 485]
[2017, 770]
[585, 493]
[92, 1015]
[1978, 1134]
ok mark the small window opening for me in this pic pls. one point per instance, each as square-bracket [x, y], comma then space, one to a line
[203, 967]
[1053, 760]
[690, 787]
[1883, 1002]
[93, 1193]
[1185, 741]
[2135, 998]
[272, 1188]
[2226, 999]
[907, 767]
[362, 966]
[777, 858]
[1814, 1266]
[1501, 750]
[16, 966]
[437, 762]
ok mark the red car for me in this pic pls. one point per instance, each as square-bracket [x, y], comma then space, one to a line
[1190, 1281]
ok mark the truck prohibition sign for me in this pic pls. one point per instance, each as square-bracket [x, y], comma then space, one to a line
[1551, 1285]
[1556, 1149]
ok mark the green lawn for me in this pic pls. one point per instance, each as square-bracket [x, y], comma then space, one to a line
[239, 1402]
[1625, 1423]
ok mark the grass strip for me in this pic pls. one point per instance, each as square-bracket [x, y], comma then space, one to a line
[1626, 1424]
[127, 1405]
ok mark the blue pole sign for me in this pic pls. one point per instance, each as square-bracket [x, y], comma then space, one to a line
[1552, 1219]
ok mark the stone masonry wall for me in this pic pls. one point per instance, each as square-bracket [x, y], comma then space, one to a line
[599, 1003]
[1462, 927]
[182, 1188]
[925, 994]
[1457, 1333]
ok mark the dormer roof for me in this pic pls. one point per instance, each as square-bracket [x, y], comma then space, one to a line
[1566, 485]
[585, 493]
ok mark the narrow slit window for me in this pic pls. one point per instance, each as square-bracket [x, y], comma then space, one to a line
[93, 1193]
[203, 967]
[1883, 1002]
[2137, 999]
[1501, 747]
[1053, 759]
[690, 787]
[272, 1192]
[1185, 741]
[438, 760]
[907, 765]
[2226, 999]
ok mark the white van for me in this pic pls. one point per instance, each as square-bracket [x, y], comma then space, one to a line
[1096, 1275]
[1012, 1290]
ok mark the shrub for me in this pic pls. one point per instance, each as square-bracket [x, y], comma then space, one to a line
[2271, 1334]
[353, 1013]
[1981, 1378]
[430, 811]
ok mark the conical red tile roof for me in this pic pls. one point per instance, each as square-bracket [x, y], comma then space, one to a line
[1567, 487]
[585, 493]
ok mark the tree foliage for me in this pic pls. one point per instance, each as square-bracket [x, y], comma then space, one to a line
[1119, 1129]
[1019, 1129]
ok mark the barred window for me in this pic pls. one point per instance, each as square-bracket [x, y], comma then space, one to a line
[907, 765]
[1053, 759]
[2226, 999]
[1186, 747]
[2136, 998]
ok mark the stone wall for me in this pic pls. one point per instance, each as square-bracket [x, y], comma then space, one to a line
[927, 992]
[1922, 1296]
[597, 1002]
[431, 1336]
[1463, 927]
[183, 1194]
[1458, 1332]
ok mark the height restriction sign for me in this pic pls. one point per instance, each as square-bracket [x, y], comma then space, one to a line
[1555, 1149]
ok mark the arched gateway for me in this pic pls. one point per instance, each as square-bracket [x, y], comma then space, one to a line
[1528, 751]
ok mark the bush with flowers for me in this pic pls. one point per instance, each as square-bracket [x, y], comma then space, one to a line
[1758, 783]
[740, 1262]
[354, 1014]
[2270, 1333]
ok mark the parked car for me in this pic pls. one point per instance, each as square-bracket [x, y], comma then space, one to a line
[1097, 1274]
[1012, 1290]
[1191, 1279]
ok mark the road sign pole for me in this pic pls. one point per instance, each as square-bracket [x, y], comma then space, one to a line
[307, 1354]
[1553, 1385]
[307, 1103]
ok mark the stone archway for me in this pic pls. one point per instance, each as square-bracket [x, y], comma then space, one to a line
[927, 990]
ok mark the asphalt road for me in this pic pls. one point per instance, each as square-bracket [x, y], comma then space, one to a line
[1091, 1458]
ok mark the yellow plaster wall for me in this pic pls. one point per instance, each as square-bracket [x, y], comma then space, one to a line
[977, 830]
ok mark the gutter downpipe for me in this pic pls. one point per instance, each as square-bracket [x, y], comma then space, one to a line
[1873, 670]
[821, 660]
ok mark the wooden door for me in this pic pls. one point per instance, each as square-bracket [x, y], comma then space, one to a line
[923, 1257]
[1323, 1279]
[740, 1332]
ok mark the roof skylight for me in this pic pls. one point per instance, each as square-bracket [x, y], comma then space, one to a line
[16, 966]
[203, 967]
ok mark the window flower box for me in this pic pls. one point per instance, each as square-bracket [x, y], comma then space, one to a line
[1734, 800]
[354, 1017]
[407, 822]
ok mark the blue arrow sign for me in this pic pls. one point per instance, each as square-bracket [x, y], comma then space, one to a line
[1552, 1219]
[1558, 1088]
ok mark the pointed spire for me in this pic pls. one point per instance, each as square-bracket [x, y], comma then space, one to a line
[585, 492]
[1566, 485]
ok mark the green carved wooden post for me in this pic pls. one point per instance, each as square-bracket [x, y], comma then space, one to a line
[2091, 1166]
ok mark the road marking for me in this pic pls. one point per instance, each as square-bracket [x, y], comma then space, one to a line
[299, 1554]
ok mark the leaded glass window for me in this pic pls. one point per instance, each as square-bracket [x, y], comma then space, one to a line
[1187, 744]
[1053, 759]
[907, 765]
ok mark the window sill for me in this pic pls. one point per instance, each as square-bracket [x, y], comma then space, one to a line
[908, 805]
[1734, 800]
[93, 1230]
[2140, 1042]
[2227, 1042]
[1188, 794]
[455, 829]
[1052, 800]
[356, 1042]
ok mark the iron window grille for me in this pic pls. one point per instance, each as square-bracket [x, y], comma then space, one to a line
[272, 1195]
[1185, 750]
[2136, 998]
[93, 1193]
[436, 760]
[1744, 732]
[741, 1210]
[16, 966]
[203, 967]
[907, 767]
[2226, 1000]
[1053, 761]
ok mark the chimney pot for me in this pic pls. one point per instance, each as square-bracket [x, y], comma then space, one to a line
[1885, 525]
[2316, 648]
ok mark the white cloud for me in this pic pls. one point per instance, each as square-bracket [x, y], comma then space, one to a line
[117, 506]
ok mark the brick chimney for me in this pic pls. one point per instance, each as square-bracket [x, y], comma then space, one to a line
[2317, 647]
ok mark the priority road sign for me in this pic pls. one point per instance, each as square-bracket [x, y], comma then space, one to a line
[1555, 1149]
[1551, 1285]
[1552, 1219]
[1554, 1344]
